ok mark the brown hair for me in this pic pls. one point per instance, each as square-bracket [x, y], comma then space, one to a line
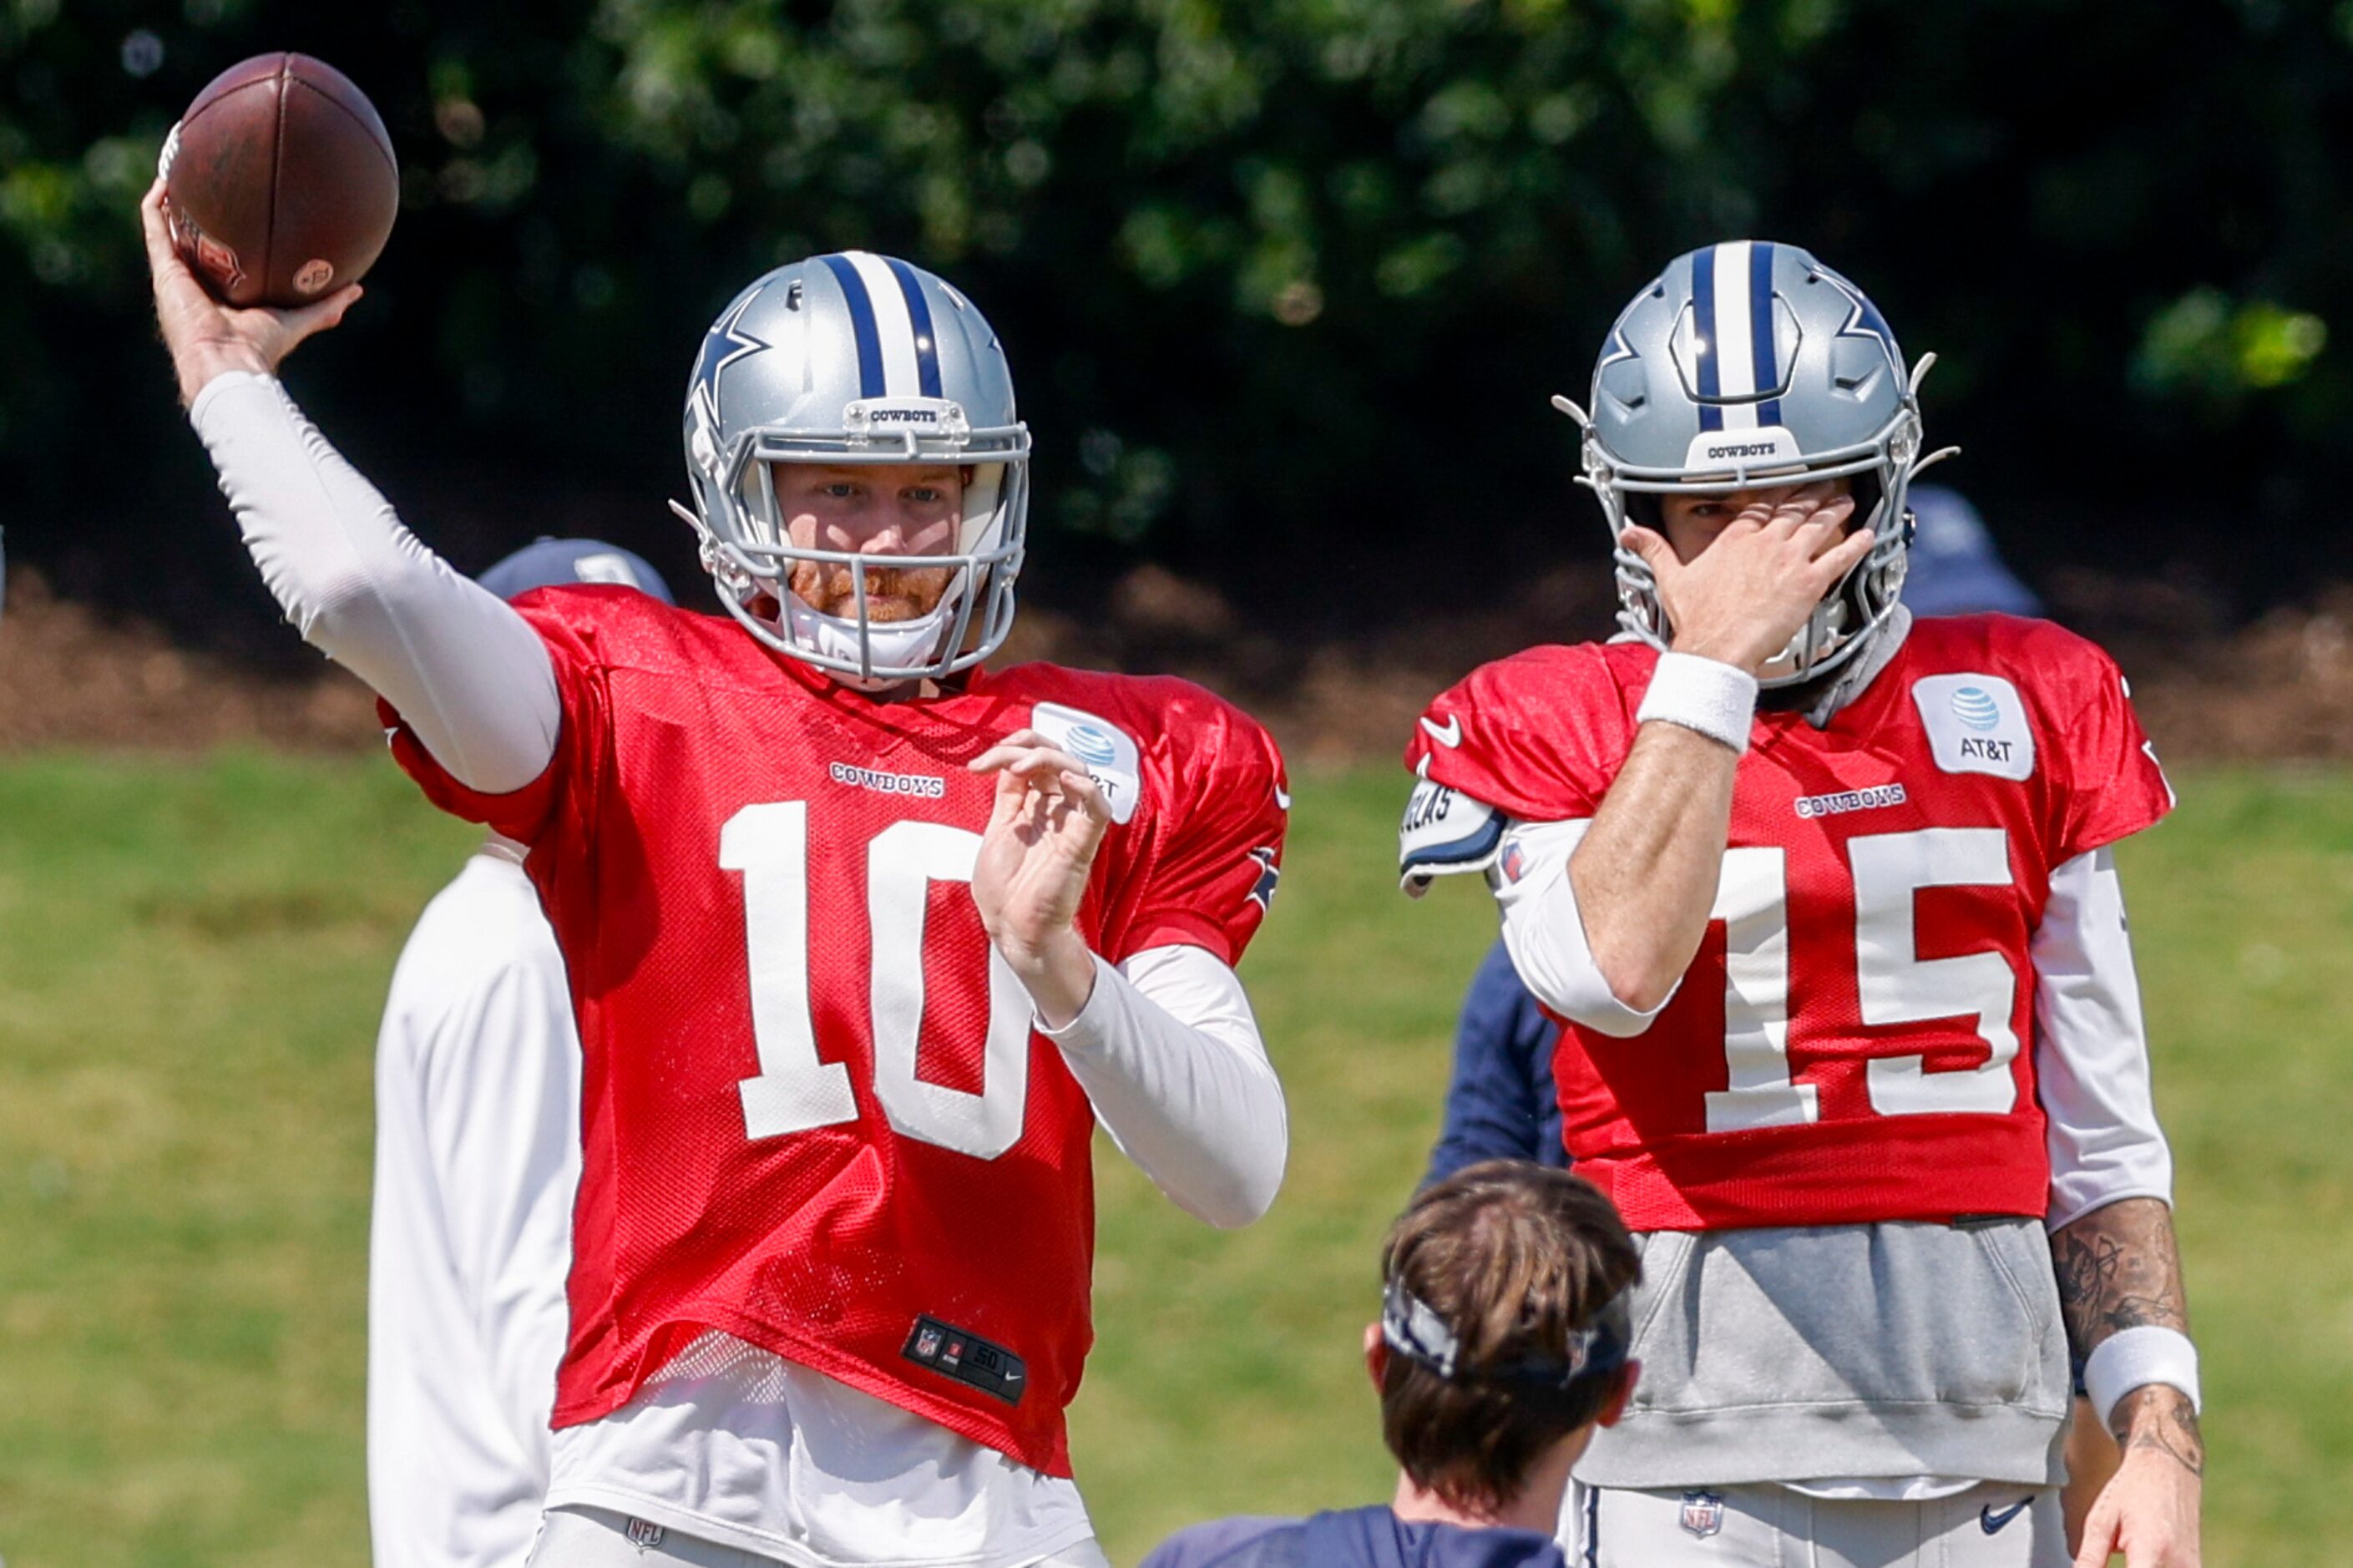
[1515, 1258]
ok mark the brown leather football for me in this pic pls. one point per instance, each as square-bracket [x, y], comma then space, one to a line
[281, 182]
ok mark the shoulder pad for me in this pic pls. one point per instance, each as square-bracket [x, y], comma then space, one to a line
[1444, 833]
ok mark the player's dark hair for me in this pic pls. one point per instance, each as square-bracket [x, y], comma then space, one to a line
[1521, 1265]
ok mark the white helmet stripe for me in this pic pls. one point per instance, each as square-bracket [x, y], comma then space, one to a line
[901, 375]
[1734, 350]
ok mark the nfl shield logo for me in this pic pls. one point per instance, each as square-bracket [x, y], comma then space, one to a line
[641, 1533]
[927, 1343]
[1703, 1513]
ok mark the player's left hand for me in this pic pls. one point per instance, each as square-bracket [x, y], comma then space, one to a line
[1036, 856]
[2148, 1511]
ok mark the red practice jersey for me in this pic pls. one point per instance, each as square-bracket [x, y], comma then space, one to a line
[1854, 1041]
[814, 1115]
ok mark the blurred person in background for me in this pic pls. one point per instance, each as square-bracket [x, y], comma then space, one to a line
[1501, 1347]
[1878, 848]
[477, 1157]
[1500, 1103]
[823, 1308]
[1952, 567]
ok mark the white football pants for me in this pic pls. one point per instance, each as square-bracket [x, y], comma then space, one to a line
[600, 1538]
[1992, 1525]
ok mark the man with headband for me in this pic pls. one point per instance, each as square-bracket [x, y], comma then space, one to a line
[1502, 1345]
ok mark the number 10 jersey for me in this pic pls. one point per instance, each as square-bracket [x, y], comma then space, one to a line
[814, 1113]
[1854, 1041]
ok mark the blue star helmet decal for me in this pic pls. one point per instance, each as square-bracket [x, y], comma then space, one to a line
[722, 345]
[1618, 348]
[727, 343]
[1268, 874]
[1864, 320]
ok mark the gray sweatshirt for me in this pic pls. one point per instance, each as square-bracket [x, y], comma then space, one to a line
[1895, 1350]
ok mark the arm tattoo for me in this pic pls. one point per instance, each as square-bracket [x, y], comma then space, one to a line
[2160, 1418]
[2118, 1268]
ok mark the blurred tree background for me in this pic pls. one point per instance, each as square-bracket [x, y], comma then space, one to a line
[1285, 282]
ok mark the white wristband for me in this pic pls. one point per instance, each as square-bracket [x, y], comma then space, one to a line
[1702, 694]
[2135, 1358]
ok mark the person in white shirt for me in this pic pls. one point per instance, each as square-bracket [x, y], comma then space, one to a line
[476, 1155]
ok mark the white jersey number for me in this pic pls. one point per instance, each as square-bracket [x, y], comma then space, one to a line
[1896, 985]
[795, 1090]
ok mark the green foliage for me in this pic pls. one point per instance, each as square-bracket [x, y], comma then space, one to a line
[1277, 278]
[2204, 344]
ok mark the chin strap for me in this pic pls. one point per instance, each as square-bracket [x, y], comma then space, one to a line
[899, 645]
[1930, 461]
[1912, 390]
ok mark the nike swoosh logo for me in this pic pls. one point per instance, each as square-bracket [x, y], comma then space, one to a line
[1281, 798]
[1990, 1521]
[1451, 735]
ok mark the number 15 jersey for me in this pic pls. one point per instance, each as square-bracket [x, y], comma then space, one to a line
[1854, 1041]
[814, 1112]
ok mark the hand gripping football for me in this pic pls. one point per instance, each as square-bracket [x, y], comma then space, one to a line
[279, 182]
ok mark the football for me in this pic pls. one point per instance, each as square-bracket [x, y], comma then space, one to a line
[279, 182]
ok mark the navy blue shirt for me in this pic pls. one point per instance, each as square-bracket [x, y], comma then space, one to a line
[1501, 1105]
[1355, 1538]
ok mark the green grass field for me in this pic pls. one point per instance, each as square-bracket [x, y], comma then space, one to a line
[191, 960]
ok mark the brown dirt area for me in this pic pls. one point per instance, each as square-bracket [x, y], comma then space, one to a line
[2280, 687]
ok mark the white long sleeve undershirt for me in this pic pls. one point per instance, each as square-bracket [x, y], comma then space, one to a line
[2091, 1050]
[2091, 1061]
[1545, 935]
[1161, 1098]
[465, 672]
[1167, 1048]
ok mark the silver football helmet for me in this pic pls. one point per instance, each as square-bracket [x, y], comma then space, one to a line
[855, 359]
[1748, 364]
